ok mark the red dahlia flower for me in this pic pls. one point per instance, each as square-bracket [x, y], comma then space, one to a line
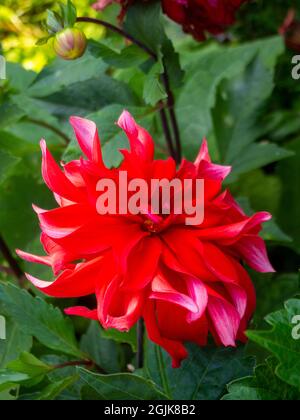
[195, 16]
[185, 281]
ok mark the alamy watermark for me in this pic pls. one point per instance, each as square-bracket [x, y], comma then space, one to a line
[296, 68]
[2, 68]
[296, 329]
[153, 199]
[2, 328]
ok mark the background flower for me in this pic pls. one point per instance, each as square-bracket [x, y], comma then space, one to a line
[196, 16]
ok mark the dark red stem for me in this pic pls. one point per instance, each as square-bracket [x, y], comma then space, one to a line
[12, 262]
[176, 152]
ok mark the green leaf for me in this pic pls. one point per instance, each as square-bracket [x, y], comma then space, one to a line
[272, 290]
[236, 113]
[263, 386]
[29, 365]
[6, 395]
[16, 342]
[21, 227]
[203, 376]
[117, 387]
[52, 391]
[43, 41]
[205, 71]
[69, 14]
[39, 319]
[143, 22]
[9, 379]
[263, 192]
[54, 22]
[35, 109]
[280, 342]
[10, 113]
[18, 78]
[258, 155]
[73, 391]
[122, 337]
[272, 232]
[153, 88]
[105, 353]
[289, 211]
[89, 96]
[131, 56]
[257, 190]
[7, 165]
[61, 74]
[239, 103]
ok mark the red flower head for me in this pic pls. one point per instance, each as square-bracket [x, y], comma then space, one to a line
[195, 16]
[290, 30]
[185, 281]
[200, 16]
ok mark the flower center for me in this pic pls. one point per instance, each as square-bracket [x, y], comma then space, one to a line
[152, 227]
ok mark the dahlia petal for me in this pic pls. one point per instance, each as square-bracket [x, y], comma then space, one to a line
[246, 284]
[182, 330]
[175, 348]
[74, 173]
[60, 256]
[219, 263]
[34, 258]
[72, 283]
[162, 290]
[83, 312]
[63, 221]
[128, 306]
[55, 179]
[253, 250]
[234, 230]
[141, 142]
[96, 236]
[203, 154]
[126, 240]
[226, 202]
[101, 4]
[176, 10]
[164, 169]
[87, 136]
[142, 263]
[188, 251]
[212, 171]
[199, 295]
[225, 319]
[239, 298]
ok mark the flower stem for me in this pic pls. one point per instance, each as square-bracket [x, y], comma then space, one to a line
[140, 343]
[121, 32]
[167, 132]
[51, 128]
[12, 262]
[175, 152]
[171, 106]
[87, 363]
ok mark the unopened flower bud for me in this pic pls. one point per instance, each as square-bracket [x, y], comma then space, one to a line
[70, 43]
